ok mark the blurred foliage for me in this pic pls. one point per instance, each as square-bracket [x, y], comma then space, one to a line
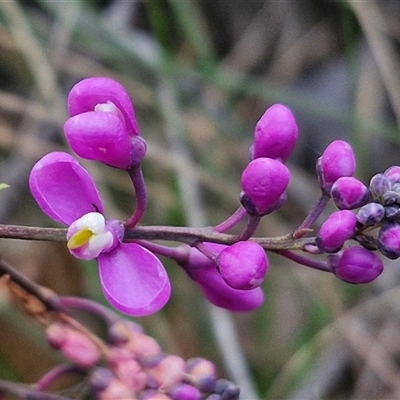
[200, 74]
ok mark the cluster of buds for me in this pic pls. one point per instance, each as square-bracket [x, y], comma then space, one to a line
[129, 364]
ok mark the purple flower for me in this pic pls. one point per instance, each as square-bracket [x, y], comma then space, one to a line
[275, 134]
[389, 240]
[336, 161]
[243, 265]
[339, 227]
[264, 181]
[132, 278]
[103, 125]
[204, 272]
[358, 265]
[349, 193]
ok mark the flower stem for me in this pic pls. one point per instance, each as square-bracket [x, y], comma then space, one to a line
[251, 227]
[231, 221]
[136, 175]
[313, 215]
[185, 235]
[308, 262]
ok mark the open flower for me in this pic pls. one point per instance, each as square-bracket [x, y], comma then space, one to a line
[132, 278]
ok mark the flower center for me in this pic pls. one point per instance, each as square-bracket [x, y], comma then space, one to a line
[89, 236]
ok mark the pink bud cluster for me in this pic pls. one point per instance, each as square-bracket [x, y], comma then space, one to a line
[133, 365]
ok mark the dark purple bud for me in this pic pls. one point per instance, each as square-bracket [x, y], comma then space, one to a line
[392, 212]
[227, 390]
[393, 174]
[336, 161]
[243, 265]
[379, 184]
[389, 240]
[349, 193]
[263, 181]
[370, 214]
[358, 265]
[339, 227]
[275, 134]
[391, 197]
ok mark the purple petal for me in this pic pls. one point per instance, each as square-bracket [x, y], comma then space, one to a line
[63, 189]
[86, 94]
[99, 136]
[133, 280]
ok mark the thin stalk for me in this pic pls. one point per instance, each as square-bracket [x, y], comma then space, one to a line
[136, 175]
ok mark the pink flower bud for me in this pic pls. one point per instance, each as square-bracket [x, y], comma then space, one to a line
[275, 134]
[168, 372]
[201, 373]
[358, 265]
[243, 265]
[336, 161]
[74, 344]
[339, 227]
[131, 374]
[264, 180]
[144, 347]
[349, 193]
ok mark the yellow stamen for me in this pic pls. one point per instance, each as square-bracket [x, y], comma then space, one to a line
[79, 238]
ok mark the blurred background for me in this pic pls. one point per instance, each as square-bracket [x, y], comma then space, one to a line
[201, 73]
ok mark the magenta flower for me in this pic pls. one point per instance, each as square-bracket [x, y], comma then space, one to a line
[204, 272]
[276, 134]
[338, 227]
[103, 126]
[357, 265]
[264, 181]
[132, 278]
[336, 161]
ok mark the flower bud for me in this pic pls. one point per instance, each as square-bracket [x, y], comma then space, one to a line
[370, 214]
[201, 373]
[74, 344]
[336, 161]
[227, 390]
[349, 193]
[358, 265]
[204, 272]
[275, 134]
[339, 227]
[264, 180]
[378, 185]
[89, 93]
[168, 372]
[183, 391]
[393, 174]
[243, 265]
[389, 240]
[102, 136]
[392, 212]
